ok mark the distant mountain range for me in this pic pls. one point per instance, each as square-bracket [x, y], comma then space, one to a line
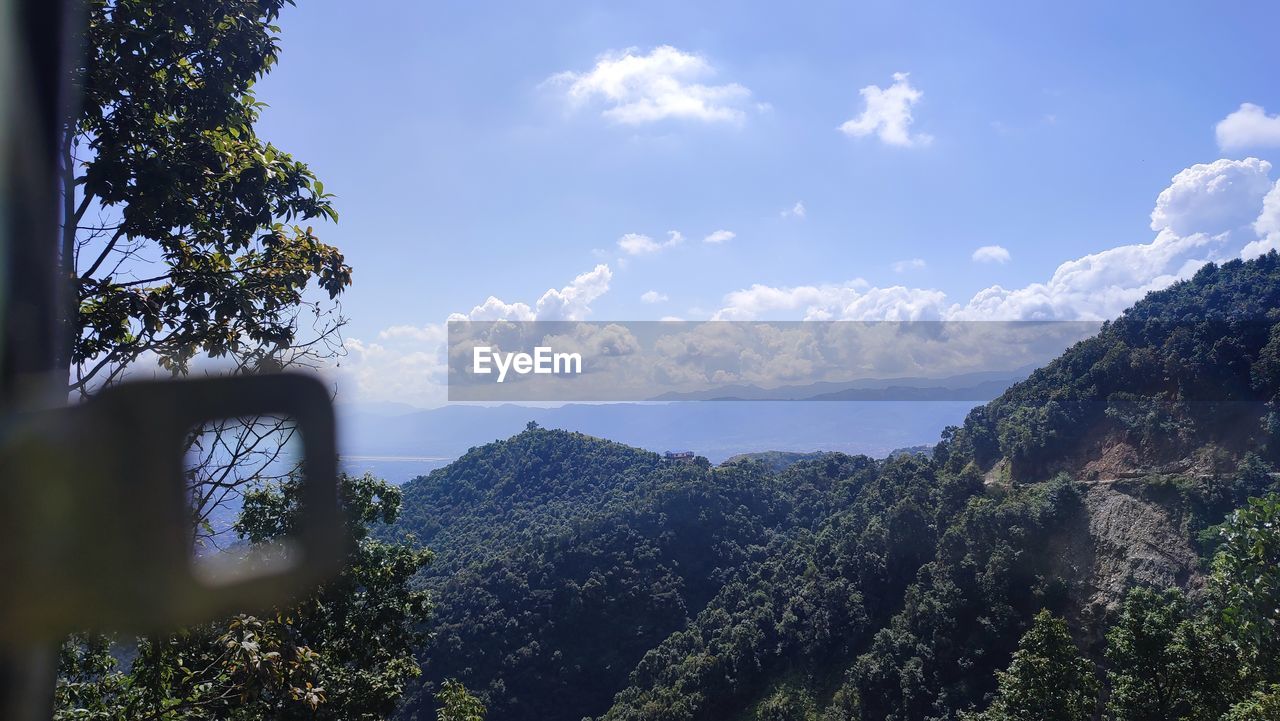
[977, 386]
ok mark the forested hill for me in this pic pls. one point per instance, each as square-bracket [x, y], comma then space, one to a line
[1182, 369]
[535, 484]
[581, 578]
[561, 559]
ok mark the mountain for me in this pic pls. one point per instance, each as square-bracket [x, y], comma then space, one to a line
[562, 558]
[978, 385]
[984, 391]
[1098, 473]
[578, 577]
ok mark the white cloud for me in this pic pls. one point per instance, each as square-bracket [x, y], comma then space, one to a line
[720, 236]
[752, 302]
[847, 301]
[1267, 226]
[638, 244]
[1204, 214]
[1209, 212]
[903, 266]
[572, 302]
[496, 309]
[1097, 286]
[888, 114]
[654, 296]
[407, 365]
[660, 85]
[1217, 197]
[432, 333]
[1248, 127]
[795, 211]
[991, 254]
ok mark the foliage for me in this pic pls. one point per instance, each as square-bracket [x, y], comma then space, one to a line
[1190, 365]
[1147, 655]
[198, 244]
[562, 558]
[1166, 659]
[1263, 705]
[1169, 659]
[787, 704]
[186, 236]
[1246, 581]
[345, 652]
[457, 704]
[945, 603]
[1048, 679]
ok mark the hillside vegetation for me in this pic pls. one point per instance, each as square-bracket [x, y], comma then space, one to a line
[1101, 540]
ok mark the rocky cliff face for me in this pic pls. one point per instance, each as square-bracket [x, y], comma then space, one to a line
[1130, 534]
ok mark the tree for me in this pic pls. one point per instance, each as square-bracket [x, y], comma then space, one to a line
[1246, 582]
[786, 704]
[184, 234]
[457, 704]
[1047, 680]
[1261, 706]
[1144, 657]
[345, 652]
[1166, 660]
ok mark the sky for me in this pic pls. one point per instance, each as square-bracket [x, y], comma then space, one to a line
[873, 160]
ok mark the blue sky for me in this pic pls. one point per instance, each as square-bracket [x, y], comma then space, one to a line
[507, 150]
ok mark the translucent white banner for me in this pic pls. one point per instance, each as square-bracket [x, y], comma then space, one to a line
[749, 360]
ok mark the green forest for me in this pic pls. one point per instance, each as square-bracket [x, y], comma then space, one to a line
[575, 577]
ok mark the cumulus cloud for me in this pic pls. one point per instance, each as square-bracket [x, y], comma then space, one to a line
[665, 83]
[1209, 212]
[1248, 127]
[991, 254]
[853, 300]
[888, 114]
[1097, 286]
[815, 300]
[903, 266]
[795, 211]
[654, 296]
[425, 334]
[639, 244]
[720, 236]
[407, 364]
[572, 302]
[1267, 226]
[410, 363]
[1217, 197]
